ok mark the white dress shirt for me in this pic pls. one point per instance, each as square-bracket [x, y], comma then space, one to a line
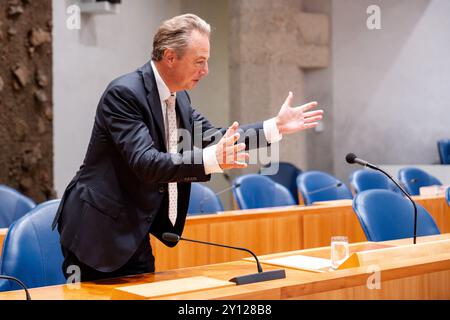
[210, 162]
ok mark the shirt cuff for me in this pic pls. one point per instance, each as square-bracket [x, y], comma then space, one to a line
[210, 160]
[271, 131]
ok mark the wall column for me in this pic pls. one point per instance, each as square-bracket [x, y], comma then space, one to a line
[271, 44]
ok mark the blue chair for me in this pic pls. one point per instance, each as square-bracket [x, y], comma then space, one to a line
[258, 191]
[286, 175]
[203, 200]
[361, 180]
[385, 215]
[434, 181]
[414, 178]
[32, 252]
[320, 186]
[13, 205]
[444, 151]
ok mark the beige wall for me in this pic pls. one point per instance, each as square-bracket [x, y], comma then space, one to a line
[85, 61]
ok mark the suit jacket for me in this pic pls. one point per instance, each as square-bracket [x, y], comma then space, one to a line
[120, 192]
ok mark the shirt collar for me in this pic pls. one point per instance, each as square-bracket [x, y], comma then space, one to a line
[163, 89]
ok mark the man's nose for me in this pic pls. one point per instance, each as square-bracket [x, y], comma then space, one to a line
[205, 70]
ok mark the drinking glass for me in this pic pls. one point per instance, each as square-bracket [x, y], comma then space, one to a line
[339, 251]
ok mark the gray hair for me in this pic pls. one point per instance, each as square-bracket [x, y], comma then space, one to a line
[175, 34]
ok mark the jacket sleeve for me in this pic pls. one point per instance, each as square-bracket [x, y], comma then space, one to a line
[121, 116]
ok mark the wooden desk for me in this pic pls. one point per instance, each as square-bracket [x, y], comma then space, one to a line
[273, 230]
[424, 278]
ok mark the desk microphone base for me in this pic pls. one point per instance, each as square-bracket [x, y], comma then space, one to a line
[259, 277]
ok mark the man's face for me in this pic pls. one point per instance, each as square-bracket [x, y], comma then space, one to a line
[193, 65]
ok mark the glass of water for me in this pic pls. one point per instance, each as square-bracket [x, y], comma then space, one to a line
[339, 251]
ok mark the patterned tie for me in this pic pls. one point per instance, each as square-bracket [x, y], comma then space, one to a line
[171, 139]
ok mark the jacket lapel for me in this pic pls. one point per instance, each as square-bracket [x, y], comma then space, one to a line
[183, 110]
[154, 100]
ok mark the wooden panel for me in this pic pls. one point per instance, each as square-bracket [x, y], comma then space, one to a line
[288, 233]
[319, 226]
[439, 209]
[220, 233]
[3, 233]
[432, 286]
[274, 230]
[184, 254]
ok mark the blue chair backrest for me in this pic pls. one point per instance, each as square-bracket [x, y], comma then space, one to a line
[414, 178]
[434, 181]
[320, 186]
[13, 205]
[444, 151]
[258, 191]
[286, 175]
[385, 215]
[365, 179]
[32, 251]
[203, 200]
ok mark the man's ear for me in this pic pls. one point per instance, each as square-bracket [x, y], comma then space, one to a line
[169, 56]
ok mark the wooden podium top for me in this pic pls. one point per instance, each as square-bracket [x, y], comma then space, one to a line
[416, 278]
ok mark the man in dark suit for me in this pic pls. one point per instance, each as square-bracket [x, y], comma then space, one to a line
[136, 174]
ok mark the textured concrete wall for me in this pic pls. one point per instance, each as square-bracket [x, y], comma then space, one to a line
[26, 154]
[271, 44]
[390, 86]
[319, 87]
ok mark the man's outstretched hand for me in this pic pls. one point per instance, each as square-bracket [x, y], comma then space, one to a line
[229, 154]
[293, 119]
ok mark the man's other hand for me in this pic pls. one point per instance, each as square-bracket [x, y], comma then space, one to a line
[229, 154]
[293, 119]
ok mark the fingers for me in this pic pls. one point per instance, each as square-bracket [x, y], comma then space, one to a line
[232, 139]
[234, 157]
[310, 116]
[311, 125]
[231, 136]
[313, 119]
[241, 161]
[313, 113]
[289, 99]
[234, 152]
[236, 148]
[308, 106]
[232, 129]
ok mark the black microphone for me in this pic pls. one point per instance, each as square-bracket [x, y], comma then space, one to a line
[27, 294]
[333, 186]
[351, 158]
[202, 202]
[249, 278]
